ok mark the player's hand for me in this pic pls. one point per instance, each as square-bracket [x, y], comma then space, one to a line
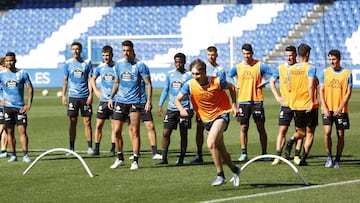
[184, 113]
[64, 100]
[25, 109]
[110, 104]
[160, 111]
[235, 110]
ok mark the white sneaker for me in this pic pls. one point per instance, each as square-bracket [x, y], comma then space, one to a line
[26, 159]
[218, 181]
[117, 163]
[236, 178]
[134, 166]
[4, 155]
[157, 156]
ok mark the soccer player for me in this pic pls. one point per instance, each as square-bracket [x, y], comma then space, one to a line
[286, 114]
[76, 78]
[3, 135]
[125, 98]
[13, 82]
[212, 69]
[175, 79]
[107, 72]
[335, 93]
[250, 74]
[148, 120]
[212, 105]
[302, 100]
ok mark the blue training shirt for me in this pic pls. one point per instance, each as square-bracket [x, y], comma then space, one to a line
[130, 75]
[78, 77]
[107, 75]
[173, 84]
[13, 85]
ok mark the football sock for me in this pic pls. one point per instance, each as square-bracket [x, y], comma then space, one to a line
[164, 155]
[136, 158]
[153, 149]
[244, 151]
[72, 145]
[97, 146]
[221, 173]
[120, 156]
[89, 144]
[329, 154]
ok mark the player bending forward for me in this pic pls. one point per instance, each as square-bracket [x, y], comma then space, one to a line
[212, 105]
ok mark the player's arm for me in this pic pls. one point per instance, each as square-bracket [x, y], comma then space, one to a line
[322, 99]
[177, 102]
[164, 95]
[311, 92]
[275, 91]
[27, 106]
[90, 97]
[232, 91]
[113, 92]
[64, 88]
[93, 86]
[346, 97]
[185, 90]
[149, 90]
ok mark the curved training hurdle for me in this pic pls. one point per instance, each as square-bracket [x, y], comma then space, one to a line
[277, 157]
[60, 149]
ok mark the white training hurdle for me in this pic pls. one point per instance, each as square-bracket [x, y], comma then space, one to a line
[59, 149]
[277, 157]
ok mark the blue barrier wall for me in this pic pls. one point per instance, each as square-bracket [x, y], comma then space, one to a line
[53, 78]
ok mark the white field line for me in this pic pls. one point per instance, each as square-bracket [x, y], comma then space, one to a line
[281, 191]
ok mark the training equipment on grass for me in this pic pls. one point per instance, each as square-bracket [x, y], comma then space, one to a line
[60, 149]
[45, 92]
[276, 157]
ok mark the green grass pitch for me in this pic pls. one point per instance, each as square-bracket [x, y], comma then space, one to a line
[57, 178]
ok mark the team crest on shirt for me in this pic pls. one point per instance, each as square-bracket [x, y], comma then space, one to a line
[126, 76]
[11, 84]
[176, 84]
[77, 73]
[108, 77]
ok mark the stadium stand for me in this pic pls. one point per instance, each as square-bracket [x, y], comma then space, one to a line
[35, 28]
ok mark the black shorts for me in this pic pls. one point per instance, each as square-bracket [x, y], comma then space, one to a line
[173, 118]
[146, 115]
[285, 116]
[13, 116]
[103, 111]
[305, 119]
[225, 117]
[2, 115]
[342, 121]
[76, 104]
[246, 110]
[121, 111]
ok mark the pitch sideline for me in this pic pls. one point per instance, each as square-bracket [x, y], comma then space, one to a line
[281, 191]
